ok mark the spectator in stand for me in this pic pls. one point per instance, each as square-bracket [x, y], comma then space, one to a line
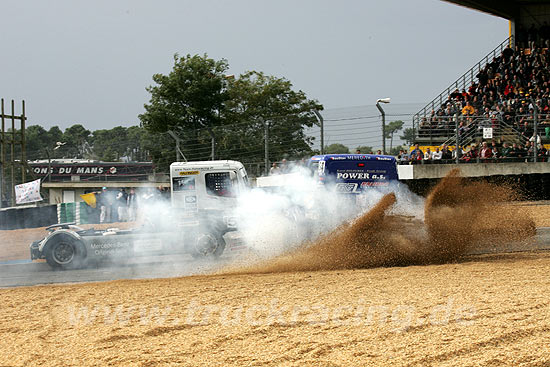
[379, 152]
[417, 158]
[506, 150]
[437, 155]
[515, 152]
[471, 155]
[446, 154]
[468, 109]
[274, 170]
[403, 157]
[532, 139]
[428, 156]
[495, 150]
[416, 150]
[455, 151]
[521, 151]
[542, 154]
[485, 152]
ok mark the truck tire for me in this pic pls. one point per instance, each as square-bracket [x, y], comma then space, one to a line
[64, 253]
[209, 245]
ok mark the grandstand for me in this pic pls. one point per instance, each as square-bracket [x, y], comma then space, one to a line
[506, 94]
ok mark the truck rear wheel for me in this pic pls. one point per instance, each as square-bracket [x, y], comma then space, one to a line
[65, 253]
[208, 246]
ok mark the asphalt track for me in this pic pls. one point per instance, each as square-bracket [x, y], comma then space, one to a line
[38, 273]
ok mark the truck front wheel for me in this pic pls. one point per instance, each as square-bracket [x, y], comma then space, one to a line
[208, 246]
[64, 253]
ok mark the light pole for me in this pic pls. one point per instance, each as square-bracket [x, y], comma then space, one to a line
[383, 100]
[58, 145]
[535, 132]
[178, 151]
[321, 125]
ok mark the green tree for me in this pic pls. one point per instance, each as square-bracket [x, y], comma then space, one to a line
[408, 136]
[37, 140]
[336, 148]
[257, 101]
[137, 138]
[391, 129]
[77, 144]
[187, 100]
[110, 145]
[364, 149]
[205, 108]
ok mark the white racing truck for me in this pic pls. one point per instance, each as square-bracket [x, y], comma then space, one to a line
[203, 194]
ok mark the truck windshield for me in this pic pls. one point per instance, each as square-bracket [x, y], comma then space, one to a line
[183, 183]
[219, 184]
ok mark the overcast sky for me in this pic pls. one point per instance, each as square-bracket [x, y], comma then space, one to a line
[89, 62]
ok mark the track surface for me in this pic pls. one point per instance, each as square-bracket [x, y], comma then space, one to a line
[36, 273]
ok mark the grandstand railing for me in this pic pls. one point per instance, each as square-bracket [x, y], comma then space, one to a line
[439, 130]
[463, 82]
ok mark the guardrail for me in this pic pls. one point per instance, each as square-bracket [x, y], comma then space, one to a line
[440, 129]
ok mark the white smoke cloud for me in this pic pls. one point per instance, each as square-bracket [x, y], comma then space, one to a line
[276, 219]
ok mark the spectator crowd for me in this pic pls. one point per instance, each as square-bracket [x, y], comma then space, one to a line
[484, 153]
[508, 89]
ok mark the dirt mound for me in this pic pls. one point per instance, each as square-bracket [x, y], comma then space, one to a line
[458, 214]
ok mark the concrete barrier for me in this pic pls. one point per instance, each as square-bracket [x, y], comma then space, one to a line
[27, 217]
[430, 171]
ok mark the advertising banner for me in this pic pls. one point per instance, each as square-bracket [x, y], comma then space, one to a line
[28, 192]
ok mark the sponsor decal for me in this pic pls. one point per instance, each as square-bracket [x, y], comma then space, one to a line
[352, 175]
[346, 187]
[187, 173]
[374, 183]
[112, 170]
[110, 248]
[360, 176]
[321, 167]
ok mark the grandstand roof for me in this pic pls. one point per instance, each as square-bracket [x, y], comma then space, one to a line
[502, 8]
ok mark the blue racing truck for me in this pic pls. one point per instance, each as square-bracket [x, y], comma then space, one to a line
[353, 173]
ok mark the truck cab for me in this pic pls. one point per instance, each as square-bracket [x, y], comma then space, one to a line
[206, 185]
[354, 173]
[207, 191]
